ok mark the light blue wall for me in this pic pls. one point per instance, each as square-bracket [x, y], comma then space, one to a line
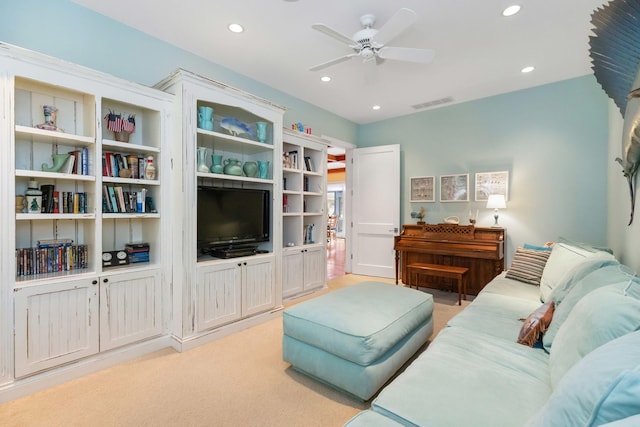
[65, 30]
[552, 139]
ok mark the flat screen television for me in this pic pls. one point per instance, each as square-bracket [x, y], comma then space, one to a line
[231, 218]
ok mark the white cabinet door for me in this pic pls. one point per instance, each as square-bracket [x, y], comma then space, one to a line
[130, 308]
[55, 324]
[292, 272]
[315, 265]
[218, 294]
[258, 285]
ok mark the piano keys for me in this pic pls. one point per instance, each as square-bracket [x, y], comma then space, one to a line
[479, 249]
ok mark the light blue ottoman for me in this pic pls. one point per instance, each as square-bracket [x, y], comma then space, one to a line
[354, 339]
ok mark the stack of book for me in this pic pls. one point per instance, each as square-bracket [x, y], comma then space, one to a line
[116, 200]
[54, 201]
[113, 163]
[138, 252]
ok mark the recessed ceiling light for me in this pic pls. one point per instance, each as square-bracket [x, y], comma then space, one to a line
[511, 10]
[376, 107]
[325, 79]
[236, 28]
[528, 69]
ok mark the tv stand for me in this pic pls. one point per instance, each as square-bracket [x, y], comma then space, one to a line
[234, 252]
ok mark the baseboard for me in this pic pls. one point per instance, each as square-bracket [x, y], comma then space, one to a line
[185, 344]
[55, 376]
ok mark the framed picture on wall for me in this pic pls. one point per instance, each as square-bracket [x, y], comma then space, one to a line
[454, 188]
[488, 183]
[423, 189]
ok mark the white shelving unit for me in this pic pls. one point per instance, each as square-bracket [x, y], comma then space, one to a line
[64, 304]
[304, 222]
[221, 295]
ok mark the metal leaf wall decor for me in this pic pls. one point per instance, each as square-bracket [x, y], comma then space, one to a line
[615, 58]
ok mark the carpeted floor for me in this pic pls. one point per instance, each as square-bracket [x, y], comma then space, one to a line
[239, 380]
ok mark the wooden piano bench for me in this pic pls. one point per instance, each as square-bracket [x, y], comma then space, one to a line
[446, 271]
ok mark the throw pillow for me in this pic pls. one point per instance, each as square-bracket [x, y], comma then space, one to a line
[601, 388]
[599, 317]
[608, 275]
[562, 260]
[527, 266]
[537, 247]
[536, 324]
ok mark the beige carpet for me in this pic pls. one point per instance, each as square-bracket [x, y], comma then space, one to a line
[239, 380]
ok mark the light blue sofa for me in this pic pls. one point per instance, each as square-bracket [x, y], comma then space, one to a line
[584, 372]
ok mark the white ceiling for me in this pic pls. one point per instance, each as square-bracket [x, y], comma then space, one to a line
[479, 52]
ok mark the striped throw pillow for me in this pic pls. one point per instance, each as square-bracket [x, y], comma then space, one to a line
[527, 266]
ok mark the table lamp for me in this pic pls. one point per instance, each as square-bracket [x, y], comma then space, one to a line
[495, 202]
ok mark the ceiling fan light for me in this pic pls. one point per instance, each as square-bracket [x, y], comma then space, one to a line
[511, 10]
[235, 28]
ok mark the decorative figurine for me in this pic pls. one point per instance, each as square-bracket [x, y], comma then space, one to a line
[50, 114]
[235, 127]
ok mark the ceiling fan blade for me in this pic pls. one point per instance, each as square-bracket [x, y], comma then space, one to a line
[334, 34]
[403, 19]
[332, 62]
[409, 54]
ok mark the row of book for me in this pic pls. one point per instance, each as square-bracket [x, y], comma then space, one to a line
[51, 256]
[54, 201]
[116, 200]
[77, 163]
[113, 163]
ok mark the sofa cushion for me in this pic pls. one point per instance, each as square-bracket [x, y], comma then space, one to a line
[600, 316]
[632, 421]
[496, 315]
[513, 288]
[359, 323]
[602, 387]
[527, 265]
[611, 274]
[563, 259]
[466, 378]
[579, 272]
[535, 325]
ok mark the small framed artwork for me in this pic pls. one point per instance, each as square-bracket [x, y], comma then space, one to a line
[423, 189]
[488, 183]
[454, 188]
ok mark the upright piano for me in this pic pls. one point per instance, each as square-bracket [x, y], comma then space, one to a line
[479, 249]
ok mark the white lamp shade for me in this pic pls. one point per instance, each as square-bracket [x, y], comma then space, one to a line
[496, 201]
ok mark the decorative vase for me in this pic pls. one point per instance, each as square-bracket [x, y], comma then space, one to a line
[261, 130]
[202, 159]
[263, 169]
[58, 162]
[232, 167]
[20, 204]
[216, 163]
[205, 118]
[50, 113]
[250, 169]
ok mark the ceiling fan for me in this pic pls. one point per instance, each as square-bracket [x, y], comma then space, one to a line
[369, 43]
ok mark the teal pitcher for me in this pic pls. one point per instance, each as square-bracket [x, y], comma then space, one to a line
[232, 167]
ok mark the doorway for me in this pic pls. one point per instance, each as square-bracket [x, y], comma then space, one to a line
[336, 190]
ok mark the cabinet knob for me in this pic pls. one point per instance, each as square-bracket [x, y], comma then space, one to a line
[239, 264]
[105, 280]
[94, 282]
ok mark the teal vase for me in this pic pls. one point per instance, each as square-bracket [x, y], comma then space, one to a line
[250, 169]
[216, 163]
[232, 167]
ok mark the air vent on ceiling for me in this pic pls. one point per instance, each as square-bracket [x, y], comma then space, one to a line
[432, 103]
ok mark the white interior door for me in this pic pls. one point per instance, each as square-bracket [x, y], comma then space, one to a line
[375, 209]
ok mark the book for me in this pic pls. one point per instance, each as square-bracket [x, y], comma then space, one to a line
[114, 202]
[69, 164]
[122, 207]
[56, 201]
[47, 198]
[76, 160]
[85, 161]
